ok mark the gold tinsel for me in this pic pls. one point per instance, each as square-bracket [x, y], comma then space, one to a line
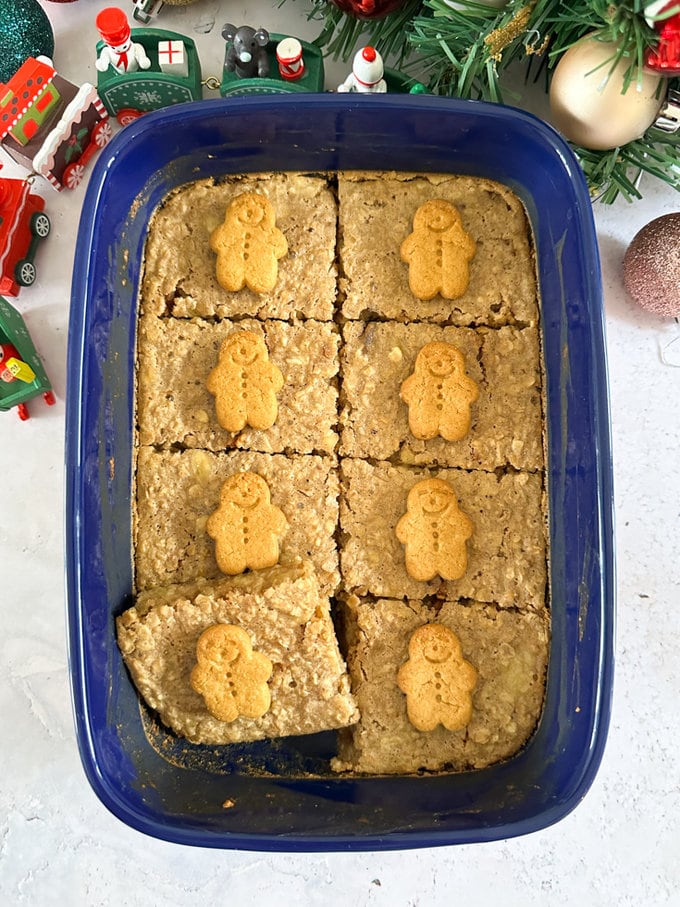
[498, 39]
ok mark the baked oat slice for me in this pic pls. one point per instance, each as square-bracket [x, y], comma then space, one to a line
[287, 620]
[180, 267]
[376, 213]
[177, 491]
[506, 553]
[508, 650]
[175, 407]
[506, 418]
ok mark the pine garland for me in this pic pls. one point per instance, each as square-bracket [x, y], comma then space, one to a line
[461, 48]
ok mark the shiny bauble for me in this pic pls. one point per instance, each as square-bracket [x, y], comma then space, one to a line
[588, 104]
[368, 9]
[25, 31]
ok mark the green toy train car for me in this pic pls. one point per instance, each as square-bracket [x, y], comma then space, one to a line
[173, 77]
[298, 66]
[22, 374]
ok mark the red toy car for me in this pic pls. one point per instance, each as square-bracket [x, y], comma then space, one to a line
[23, 223]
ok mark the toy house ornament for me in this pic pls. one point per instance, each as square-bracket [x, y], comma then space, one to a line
[367, 73]
[50, 125]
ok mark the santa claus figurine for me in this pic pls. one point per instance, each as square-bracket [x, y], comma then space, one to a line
[367, 73]
[119, 52]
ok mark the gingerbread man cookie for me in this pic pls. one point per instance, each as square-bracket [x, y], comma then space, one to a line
[438, 252]
[245, 383]
[229, 675]
[434, 532]
[248, 245]
[439, 393]
[246, 526]
[437, 680]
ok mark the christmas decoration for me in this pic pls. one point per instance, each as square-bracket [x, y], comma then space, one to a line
[50, 125]
[368, 9]
[651, 266]
[464, 48]
[290, 60]
[589, 102]
[367, 73]
[22, 374]
[23, 226]
[664, 16]
[25, 31]
[119, 52]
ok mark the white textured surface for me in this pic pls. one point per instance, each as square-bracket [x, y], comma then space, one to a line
[58, 845]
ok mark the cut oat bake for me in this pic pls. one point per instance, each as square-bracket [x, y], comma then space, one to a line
[344, 329]
[287, 619]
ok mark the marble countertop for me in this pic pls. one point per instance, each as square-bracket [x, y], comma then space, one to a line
[59, 845]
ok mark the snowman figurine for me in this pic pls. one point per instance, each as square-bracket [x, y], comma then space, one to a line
[367, 73]
[119, 51]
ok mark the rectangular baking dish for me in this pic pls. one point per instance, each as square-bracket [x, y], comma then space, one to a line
[284, 796]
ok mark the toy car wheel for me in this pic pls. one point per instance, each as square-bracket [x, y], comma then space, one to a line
[25, 273]
[101, 134]
[73, 175]
[127, 115]
[40, 225]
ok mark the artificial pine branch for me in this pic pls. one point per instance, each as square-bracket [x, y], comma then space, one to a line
[341, 34]
[461, 49]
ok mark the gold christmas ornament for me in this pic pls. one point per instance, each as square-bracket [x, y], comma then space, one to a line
[588, 104]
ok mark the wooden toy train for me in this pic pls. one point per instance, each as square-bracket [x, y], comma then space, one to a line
[53, 127]
[142, 69]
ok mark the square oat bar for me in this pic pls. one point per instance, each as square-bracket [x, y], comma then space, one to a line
[506, 554]
[178, 490]
[287, 620]
[174, 406]
[179, 269]
[376, 216]
[506, 418]
[509, 651]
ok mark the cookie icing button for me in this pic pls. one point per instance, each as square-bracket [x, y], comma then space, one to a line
[434, 532]
[248, 245]
[245, 383]
[246, 526]
[438, 252]
[439, 393]
[229, 675]
[437, 680]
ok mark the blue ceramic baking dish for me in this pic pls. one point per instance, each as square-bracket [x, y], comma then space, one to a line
[285, 797]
